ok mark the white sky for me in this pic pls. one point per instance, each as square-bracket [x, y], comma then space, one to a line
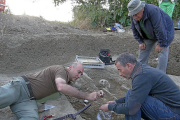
[44, 8]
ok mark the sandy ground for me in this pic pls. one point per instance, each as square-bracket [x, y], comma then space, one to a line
[28, 44]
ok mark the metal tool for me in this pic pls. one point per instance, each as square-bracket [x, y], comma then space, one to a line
[73, 116]
[46, 107]
[85, 102]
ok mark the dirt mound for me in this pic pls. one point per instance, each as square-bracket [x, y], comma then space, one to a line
[30, 43]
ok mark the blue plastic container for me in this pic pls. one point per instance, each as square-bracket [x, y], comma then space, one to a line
[179, 24]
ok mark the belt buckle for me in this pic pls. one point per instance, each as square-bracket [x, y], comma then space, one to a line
[32, 98]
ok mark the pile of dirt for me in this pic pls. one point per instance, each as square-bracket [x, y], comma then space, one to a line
[29, 43]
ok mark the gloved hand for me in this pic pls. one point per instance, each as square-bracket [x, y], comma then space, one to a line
[160, 1]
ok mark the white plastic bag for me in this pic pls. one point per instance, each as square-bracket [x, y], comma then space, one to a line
[104, 115]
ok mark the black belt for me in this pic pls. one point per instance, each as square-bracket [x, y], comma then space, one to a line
[29, 88]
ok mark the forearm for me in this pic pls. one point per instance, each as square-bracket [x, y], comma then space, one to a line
[118, 108]
[73, 92]
[121, 100]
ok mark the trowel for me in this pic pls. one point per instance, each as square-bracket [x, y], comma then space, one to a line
[46, 107]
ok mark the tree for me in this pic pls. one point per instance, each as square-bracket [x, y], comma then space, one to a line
[117, 13]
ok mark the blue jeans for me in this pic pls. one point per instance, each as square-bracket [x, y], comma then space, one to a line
[162, 56]
[152, 109]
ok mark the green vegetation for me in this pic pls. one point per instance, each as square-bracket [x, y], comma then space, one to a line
[91, 14]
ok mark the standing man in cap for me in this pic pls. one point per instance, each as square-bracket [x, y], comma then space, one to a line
[151, 27]
[20, 93]
[154, 95]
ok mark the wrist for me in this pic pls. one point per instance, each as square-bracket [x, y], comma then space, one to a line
[87, 96]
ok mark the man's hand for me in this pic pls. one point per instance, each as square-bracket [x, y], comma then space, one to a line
[104, 108]
[100, 93]
[111, 102]
[95, 95]
[142, 46]
[71, 91]
[158, 49]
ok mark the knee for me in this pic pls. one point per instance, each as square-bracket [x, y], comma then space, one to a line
[26, 110]
[31, 115]
[29, 118]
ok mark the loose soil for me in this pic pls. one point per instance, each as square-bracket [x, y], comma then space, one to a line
[28, 44]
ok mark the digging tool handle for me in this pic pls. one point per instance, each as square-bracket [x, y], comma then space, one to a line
[66, 116]
[82, 109]
[73, 116]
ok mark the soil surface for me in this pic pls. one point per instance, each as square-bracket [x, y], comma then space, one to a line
[28, 44]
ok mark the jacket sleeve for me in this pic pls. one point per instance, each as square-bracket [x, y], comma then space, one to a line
[121, 100]
[135, 31]
[160, 30]
[137, 96]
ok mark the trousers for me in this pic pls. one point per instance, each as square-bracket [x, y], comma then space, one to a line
[16, 95]
[152, 109]
[162, 56]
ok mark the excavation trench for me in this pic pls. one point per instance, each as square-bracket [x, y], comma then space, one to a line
[29, 44]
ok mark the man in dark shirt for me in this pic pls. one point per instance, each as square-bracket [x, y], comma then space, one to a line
[153, 96]
[20, 93]
[151, 27]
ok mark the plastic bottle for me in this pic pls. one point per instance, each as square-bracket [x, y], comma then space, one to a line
[179, 24]
[104, 115]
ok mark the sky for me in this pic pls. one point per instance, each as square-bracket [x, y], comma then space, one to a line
[43, 8]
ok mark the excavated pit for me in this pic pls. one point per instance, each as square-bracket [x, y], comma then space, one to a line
[28, 44]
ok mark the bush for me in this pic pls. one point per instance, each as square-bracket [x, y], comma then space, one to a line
[97, 17]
